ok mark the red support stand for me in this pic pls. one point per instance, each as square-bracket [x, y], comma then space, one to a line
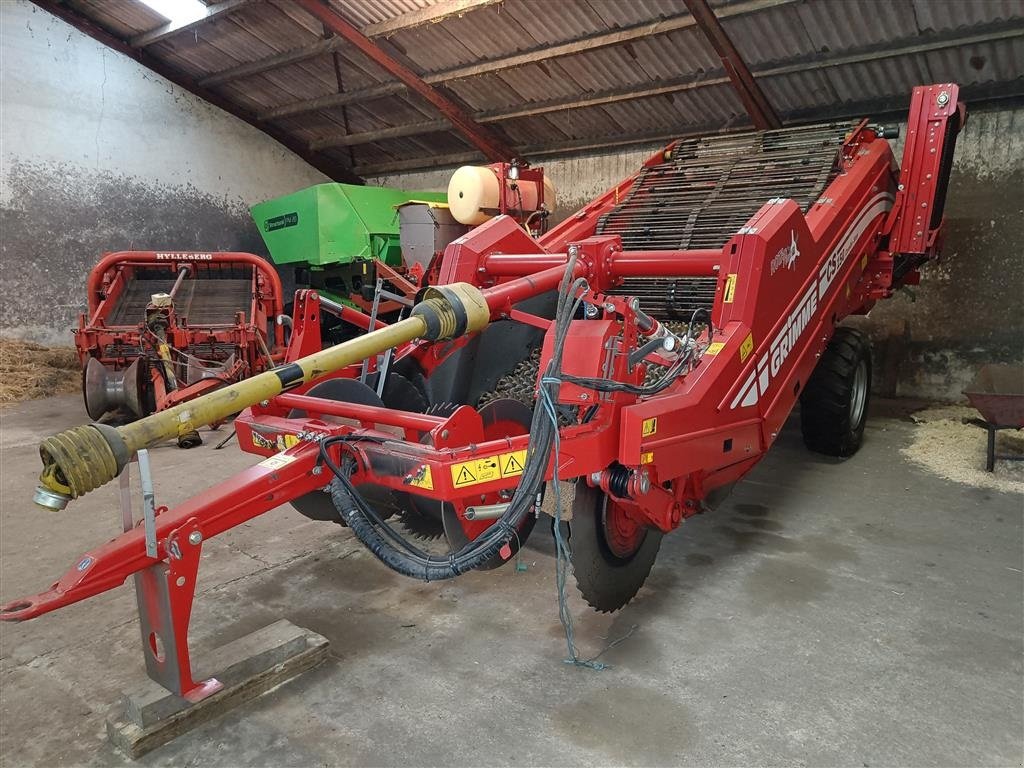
[164, 593]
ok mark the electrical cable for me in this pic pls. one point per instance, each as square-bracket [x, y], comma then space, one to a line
[403, 557]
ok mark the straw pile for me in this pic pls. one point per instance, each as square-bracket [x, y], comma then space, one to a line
[29, 371]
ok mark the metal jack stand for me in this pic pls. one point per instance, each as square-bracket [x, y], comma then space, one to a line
[165, 591]
[172, 702]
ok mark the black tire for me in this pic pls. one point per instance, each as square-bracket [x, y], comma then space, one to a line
[834, 404]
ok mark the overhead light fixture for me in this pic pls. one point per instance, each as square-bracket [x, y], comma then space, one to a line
[178, 11]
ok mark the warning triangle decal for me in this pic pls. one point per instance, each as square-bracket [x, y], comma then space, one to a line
[465, 477]
[512, 466]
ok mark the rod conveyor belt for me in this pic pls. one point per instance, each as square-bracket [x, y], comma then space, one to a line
[706, 190]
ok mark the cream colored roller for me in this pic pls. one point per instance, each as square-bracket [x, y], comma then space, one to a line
[473, 194]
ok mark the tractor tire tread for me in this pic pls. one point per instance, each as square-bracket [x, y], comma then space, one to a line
[825, 400]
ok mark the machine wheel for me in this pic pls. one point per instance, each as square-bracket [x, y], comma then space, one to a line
[611, 555]
[834, 404]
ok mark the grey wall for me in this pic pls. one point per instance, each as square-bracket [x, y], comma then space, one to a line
[97, 153]
[969, 308]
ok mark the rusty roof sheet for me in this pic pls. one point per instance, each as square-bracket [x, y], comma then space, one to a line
[799, 51]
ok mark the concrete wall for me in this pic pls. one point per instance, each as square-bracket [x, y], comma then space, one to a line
[97, 153]
[969, 308]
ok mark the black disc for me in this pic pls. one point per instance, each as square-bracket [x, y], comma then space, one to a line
[610, 556]
[317, 505]
[399, 394]
[422, 516]
[502, 418]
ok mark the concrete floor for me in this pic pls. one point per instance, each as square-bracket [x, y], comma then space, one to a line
[859, 613]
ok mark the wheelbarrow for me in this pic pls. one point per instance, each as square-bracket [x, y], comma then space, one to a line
[997, 393]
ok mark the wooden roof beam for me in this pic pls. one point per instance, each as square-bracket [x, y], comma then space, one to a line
[492, 147]
[800, 64]
[429, 15]
[332, 168]
[418, 18]
[174, 27]
[581, 45]
[754, 101]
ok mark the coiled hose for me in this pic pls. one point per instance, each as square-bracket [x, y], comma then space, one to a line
[400, 555]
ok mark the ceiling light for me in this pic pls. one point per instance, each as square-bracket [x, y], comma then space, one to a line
[178, 11]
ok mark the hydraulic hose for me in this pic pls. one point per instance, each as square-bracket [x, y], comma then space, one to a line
[400, 556]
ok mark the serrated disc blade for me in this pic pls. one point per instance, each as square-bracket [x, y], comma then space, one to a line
[606, 575]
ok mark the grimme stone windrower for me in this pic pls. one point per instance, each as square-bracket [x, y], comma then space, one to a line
[635, 361]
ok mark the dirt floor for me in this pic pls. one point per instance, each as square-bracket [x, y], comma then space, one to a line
[857, 613]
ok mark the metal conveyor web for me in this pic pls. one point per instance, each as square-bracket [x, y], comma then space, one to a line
[706, 190]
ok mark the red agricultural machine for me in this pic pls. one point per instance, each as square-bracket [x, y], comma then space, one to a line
[629, 365]
[166, 327]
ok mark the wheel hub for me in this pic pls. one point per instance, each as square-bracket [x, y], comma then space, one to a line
[622, 533]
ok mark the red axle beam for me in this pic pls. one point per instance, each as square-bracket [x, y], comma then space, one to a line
[696, 263]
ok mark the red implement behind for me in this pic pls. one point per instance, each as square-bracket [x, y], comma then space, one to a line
[166, 327]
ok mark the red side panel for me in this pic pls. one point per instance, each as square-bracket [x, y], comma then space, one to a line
[936, 117]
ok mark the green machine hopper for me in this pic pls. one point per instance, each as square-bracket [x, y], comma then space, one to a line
[333, 234]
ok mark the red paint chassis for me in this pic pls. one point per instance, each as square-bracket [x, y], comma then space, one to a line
[862, 239]
[117, 346]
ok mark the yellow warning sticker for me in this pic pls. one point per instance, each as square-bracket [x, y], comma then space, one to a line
[422, 478]
[650, 427]
[647, 458]
[512, 463]
[488, 469]
[714, 348]
[730, 288]
[746, 347]
[276, 462]
[281, 442]
[260, 441]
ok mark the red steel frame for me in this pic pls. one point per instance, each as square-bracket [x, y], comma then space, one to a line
[704, 431]
[112, 344]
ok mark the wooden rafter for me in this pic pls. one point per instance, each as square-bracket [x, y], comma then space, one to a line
[174, 27]
[429, 15]
[802, 64]
[492, 147]
[500, 64]
[328, 166]
[754, 101]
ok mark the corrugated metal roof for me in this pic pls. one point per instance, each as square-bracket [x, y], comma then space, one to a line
[366, 12]
[124, 18]
[800, 52]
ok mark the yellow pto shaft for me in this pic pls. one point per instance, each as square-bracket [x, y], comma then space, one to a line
[83, 458]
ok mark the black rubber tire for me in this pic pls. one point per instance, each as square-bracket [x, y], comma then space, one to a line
[834, 404]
